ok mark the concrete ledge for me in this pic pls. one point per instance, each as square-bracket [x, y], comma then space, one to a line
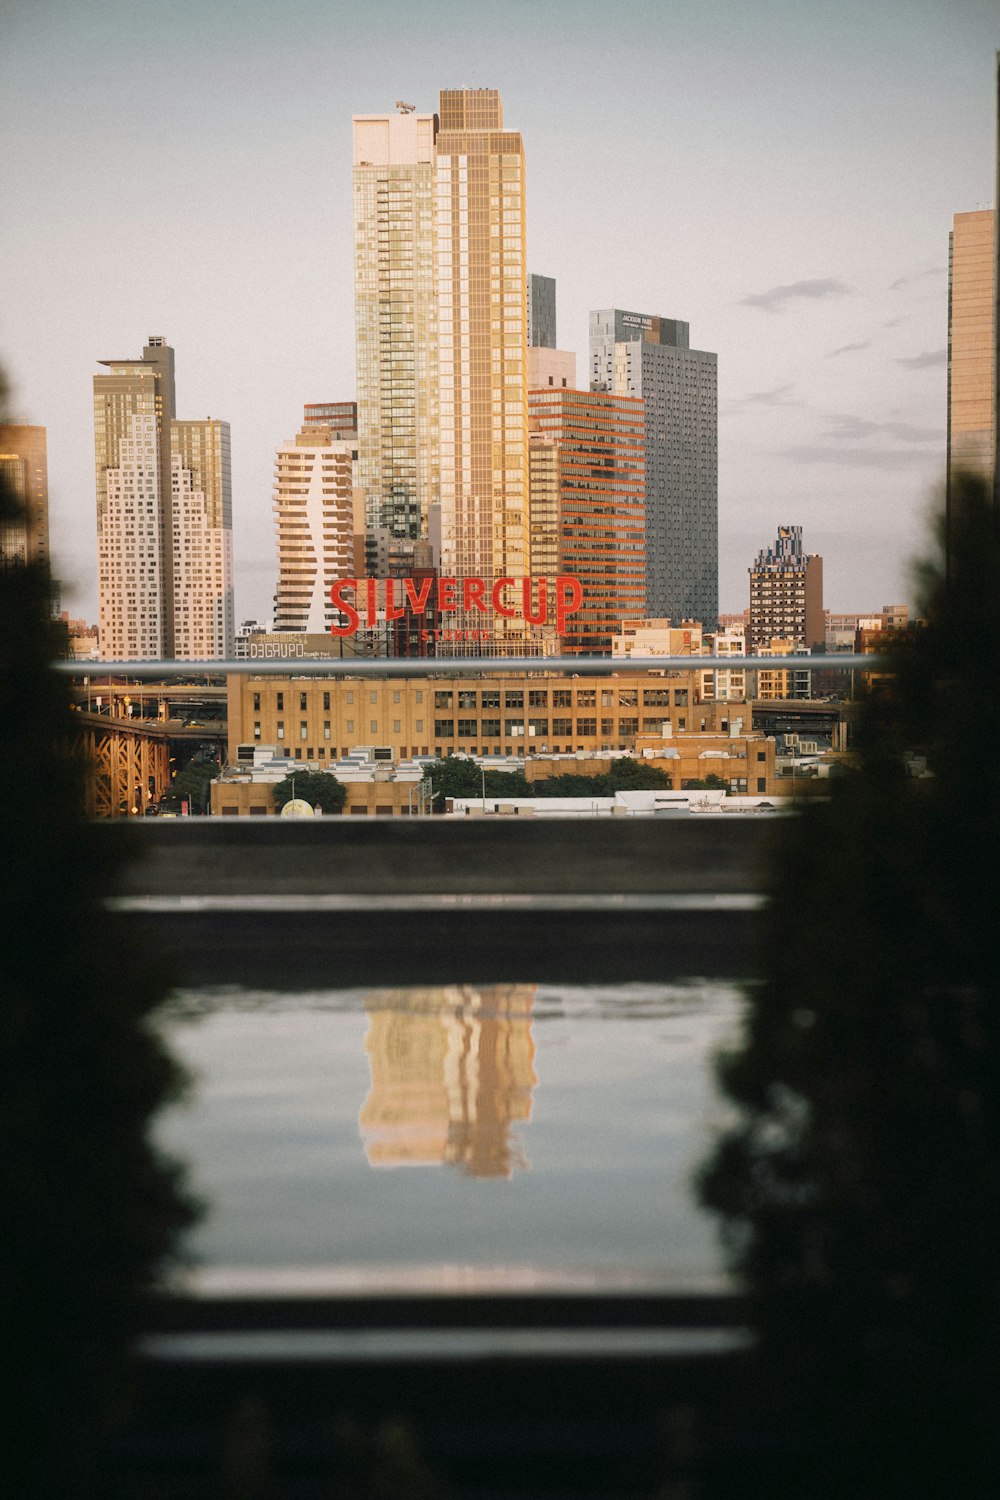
[203, 856]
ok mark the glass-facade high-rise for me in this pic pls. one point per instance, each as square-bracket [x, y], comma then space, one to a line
[396, 319]
[641, 354]
[542, 312]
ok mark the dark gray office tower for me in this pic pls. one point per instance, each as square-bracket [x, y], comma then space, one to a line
[640, 354]
[542, 312]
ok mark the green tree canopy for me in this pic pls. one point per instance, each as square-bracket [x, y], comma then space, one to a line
[460, 776]
[860, 1186]
[192, 784]
[319, 788]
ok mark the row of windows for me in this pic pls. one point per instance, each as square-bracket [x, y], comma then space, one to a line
[470, 698]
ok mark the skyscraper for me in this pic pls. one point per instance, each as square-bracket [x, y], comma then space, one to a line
[483, 343]
[202, 519]
[396, 318]
[588, 453]
[786, 595]
[315, 524]
[972, 304]
[164, 517]
[24, 466]
[541, 312]
[641, 354]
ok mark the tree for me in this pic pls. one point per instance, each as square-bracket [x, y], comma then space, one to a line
[91, 1211]
[460, 776]
[319, 788]
[192, 785]
[860, 1188]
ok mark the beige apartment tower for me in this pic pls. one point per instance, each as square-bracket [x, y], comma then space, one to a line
[24, 466]
[972, 300]
[482, 345]
[396, 319]
[164, 518]
[202, 512]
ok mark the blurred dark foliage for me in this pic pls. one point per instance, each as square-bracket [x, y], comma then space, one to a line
[316, 787]
[90, 1212]
[860, 1187]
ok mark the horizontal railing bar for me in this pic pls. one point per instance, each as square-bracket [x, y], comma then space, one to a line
[464, 666]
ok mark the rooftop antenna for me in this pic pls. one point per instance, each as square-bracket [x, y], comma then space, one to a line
[405, 109]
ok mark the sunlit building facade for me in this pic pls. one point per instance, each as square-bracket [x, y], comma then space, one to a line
[483, 345]
[598, 472]
[786, 595]
[316, 526]
[972, 333]
[396, 318]
[134, 405]
[24, 467]
[202, 521]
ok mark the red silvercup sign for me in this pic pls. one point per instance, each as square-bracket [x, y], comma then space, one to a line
[531, 599]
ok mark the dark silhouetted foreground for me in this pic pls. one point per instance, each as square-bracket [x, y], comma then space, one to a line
[860, 1190]
[89, 1212]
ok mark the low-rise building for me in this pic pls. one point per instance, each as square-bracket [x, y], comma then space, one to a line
[526, 714]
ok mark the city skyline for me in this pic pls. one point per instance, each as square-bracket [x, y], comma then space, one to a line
[785, 181]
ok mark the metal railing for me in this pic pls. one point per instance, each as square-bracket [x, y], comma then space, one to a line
[466, 666]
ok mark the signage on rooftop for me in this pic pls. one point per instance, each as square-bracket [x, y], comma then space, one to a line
[535, 601]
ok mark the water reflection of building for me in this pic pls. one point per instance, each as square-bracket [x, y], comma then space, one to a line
[452, 1069]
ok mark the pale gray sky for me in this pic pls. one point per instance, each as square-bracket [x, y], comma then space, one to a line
[780, 174]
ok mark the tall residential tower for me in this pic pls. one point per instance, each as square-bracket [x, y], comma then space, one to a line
[640, 354]
[164, 517]
[396, 318]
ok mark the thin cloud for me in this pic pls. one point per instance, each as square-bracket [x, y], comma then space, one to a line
[850, 429]
[778, 395]
[861, 458]
[897, 286]
[776, 298]
[926, 361]
[849, 349]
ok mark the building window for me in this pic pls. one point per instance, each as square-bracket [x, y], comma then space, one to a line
[373, 697]
[513, 698]
[561, 726]
[281, 729]
[309, 752]
[607, 727]
[467, 699]
[442, 700]
[303, 703]
[586, 698]
[586, 727]
[444, 729]
[490, 728]
[326, 729]
[396, 697]
[373, 726]
[467, 729]
[538, 698]
[350, 728]
[256, 703]
[491, 698]
[326, 700]
[256, 729]
[562, 698]
[539, 727]
[280, 703]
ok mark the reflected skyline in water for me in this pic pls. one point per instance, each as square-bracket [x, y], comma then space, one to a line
[565, 1121]
[452, 1073]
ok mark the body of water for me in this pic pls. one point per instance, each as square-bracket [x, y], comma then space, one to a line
[519, 1135]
